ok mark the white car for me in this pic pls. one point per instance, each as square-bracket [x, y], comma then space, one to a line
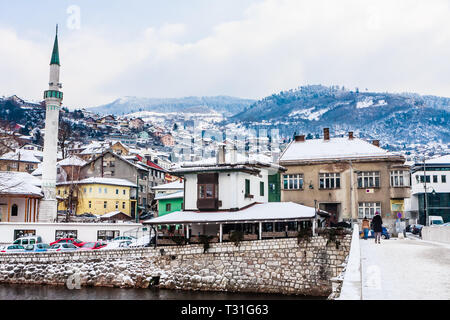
[117, 245]
[58, 247]
[142, 241]
[13, 248]
[123, 238]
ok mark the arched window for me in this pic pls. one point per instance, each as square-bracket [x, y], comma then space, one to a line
[14, 210]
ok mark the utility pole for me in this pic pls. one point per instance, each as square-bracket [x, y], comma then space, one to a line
[425, 188]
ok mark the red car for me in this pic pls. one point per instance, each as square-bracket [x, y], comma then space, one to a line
[93, 245]
[74, 241]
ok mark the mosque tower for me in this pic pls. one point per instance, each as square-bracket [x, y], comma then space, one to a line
[53, 100]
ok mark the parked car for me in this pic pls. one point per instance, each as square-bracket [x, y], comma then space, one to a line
[13, 248]
[384, 234]
[447, 224]
[117, 245]
[417, 229]
[57, 247]
[143, 241]
[28, 240]
[93, 245]
[435, 220]
[37, 247]
[73, 241]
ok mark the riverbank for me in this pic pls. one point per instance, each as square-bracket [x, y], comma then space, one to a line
[45, 292]
[280, 266]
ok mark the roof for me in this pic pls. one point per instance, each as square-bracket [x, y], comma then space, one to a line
[72, 161]
[55, 53]
[166, 196]
[441, 160]
[154, 165]
[334, 148]
[271, 211]
[24, 155]
[99, 180]
[176, 185]
[19, 183]
[113, 214]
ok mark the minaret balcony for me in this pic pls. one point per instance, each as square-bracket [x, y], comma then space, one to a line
[53, 94]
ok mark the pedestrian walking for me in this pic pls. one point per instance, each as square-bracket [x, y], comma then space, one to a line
[365, 227]
[377, 223]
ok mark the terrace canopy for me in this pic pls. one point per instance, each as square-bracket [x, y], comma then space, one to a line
[257, 213]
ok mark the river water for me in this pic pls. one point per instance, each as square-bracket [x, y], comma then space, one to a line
[39, 292]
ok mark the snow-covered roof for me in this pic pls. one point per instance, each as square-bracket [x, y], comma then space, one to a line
[174, 195]
[72, 161]
[24, 155]
[170, 186]
[100, 180]
[441, 160]
[20, 183]
[271, 211]
[334, 148]
[112, 214]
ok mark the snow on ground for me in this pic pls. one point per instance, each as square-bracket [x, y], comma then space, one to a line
[405, 269]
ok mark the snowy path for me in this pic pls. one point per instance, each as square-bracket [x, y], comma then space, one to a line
[405, 269]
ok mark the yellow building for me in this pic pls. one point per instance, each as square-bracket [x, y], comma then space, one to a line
[97, 196]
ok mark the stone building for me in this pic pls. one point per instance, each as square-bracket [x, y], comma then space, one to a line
[348, 177]
[19, 160]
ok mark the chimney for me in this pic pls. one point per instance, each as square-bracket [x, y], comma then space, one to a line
[233, 155]
[221, 155]
[300, 138]
[350, 135]
[326, 133]
[376, 143]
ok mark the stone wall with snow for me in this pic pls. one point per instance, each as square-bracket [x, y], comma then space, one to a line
[271, 266]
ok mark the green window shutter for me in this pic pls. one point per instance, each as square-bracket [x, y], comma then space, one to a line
[261, 188]
[247, 186]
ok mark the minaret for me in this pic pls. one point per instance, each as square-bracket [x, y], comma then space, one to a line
[53, 98]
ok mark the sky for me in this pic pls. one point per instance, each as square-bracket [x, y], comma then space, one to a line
[243, 48]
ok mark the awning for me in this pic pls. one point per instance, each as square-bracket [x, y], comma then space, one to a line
[263, 212]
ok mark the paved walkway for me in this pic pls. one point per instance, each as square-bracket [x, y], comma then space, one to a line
[405, 269]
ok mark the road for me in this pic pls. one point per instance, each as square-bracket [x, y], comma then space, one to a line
[405, 269]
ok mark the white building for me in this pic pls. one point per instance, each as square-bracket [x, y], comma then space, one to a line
[433, 178]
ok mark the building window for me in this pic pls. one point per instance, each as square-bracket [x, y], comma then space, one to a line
[400, 179]
[85, 190]
[293, 181]
[247, 187]
[443, 179]
[207, 191]
[369, 179]
[105, 203]
[421, 179]
[61, 234]
[168, 206]
[117, 205]
[106, 190]
[123, 205]
[329, 181]
[14, 210]
[107, 235]
[124, 191]
[99, 190]
[435, 179]
[90, 204]
[90, 190]
[368, 209]
[117, 191]
[112, 173]
[261, 189]
[111, 164]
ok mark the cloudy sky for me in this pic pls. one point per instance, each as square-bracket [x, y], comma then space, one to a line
[244, 48]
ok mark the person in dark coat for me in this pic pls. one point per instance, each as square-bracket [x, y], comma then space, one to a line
[377, 223]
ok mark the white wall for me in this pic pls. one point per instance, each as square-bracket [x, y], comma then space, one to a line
[86, 231]
[231, 189]
[438, 234]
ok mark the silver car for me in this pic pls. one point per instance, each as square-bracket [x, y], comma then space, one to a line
[13, 248]
[58, 247]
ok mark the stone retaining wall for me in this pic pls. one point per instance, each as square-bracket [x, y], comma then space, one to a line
[270, 266]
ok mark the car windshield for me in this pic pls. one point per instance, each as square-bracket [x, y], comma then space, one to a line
[55, 246]
[437, 222]
[77, 241]
[29, 247]
[88, 245]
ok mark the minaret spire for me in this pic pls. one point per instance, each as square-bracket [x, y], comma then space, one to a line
[55, 53]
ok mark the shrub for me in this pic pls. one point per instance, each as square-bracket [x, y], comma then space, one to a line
[304, 234]
[236, 237]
